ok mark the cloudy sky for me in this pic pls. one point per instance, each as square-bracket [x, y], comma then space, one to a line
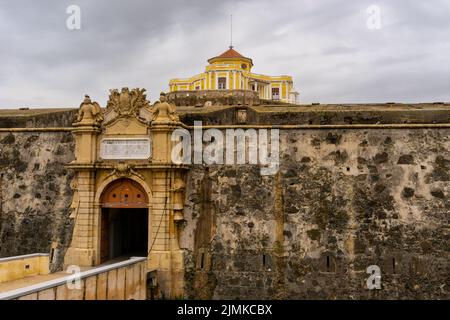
[325, 45]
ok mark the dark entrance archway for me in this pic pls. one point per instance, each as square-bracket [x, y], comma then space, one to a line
[124, 222]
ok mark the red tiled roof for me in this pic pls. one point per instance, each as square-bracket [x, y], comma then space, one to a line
[230, 54]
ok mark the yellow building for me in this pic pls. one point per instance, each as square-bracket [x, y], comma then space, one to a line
[232, 71]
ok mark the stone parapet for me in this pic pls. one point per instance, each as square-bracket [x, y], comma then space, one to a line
[201, 98]
[125, 280]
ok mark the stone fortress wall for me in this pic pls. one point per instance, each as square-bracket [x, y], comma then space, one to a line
[358, 185]
[35, 189]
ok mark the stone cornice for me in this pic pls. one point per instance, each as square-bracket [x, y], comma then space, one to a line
[256, 126]
[53, 129]
[112, 166]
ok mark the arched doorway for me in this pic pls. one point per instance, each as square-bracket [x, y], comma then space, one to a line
[124, 222]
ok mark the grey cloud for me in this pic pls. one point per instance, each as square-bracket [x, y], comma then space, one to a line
[324, 45]
[339, 50]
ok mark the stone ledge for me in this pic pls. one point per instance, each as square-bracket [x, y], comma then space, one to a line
[25, 256]
[63, 280]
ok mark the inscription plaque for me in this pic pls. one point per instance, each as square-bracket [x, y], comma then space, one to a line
[118, 149]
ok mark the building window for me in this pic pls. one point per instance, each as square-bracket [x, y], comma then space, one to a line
[197, 88]
[275, 93]
[222, 83]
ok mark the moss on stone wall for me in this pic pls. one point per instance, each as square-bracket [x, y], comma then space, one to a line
[339, 215]
[36, 193]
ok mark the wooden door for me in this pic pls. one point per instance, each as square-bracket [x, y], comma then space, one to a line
[104, 237]
[124, 193]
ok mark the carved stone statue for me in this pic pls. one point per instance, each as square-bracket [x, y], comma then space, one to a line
[75, 199]
[164, 111]
[89, 112]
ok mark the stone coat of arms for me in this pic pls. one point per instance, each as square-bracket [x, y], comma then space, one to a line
[126, 102]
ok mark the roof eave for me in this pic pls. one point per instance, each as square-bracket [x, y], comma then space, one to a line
[214, 59]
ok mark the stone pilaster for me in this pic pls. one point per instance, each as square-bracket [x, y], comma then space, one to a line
[165, 255]
[82, 249]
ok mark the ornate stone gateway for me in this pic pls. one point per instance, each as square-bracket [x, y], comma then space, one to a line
[124, 173]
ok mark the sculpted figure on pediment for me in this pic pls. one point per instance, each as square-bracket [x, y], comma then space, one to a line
[89, 113]
[164, 111]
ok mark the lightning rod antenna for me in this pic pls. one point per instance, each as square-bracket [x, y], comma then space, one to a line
[231, 31]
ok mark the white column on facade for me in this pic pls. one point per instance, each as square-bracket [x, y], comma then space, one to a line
[287, 90]
[286, 94]
[216, 80]
[208, 81]
[234, 79]
[211, 79]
